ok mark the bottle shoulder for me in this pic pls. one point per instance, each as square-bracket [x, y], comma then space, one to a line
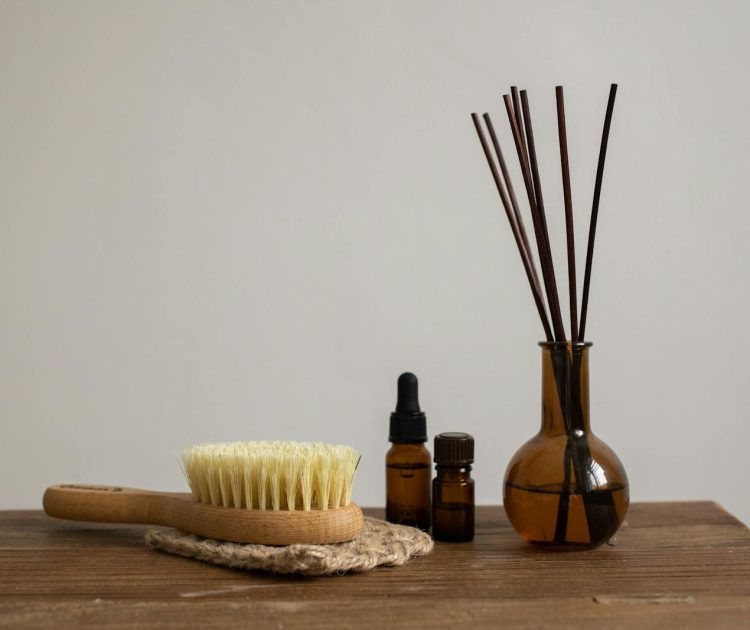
[408, 453]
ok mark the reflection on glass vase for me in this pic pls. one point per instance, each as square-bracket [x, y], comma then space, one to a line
[565, 487]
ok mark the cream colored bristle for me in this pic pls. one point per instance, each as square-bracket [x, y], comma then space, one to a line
[271, 475]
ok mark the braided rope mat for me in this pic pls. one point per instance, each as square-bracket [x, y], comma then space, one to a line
[379, 543]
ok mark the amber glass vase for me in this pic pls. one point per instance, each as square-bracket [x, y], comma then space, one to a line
[565, 487]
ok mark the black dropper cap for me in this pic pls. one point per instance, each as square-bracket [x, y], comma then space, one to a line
[408, 422]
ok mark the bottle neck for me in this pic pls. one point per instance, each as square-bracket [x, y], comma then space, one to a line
[417, 447]
[565, 388]
[453, 473]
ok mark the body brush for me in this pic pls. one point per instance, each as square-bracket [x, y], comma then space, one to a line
[269, 493]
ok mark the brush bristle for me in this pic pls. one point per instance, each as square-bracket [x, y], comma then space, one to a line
[271, 475]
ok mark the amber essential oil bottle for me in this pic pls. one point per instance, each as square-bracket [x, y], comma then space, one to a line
[453, 488]
[408, 463]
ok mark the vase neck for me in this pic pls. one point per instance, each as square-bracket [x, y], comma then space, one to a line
[565, 388]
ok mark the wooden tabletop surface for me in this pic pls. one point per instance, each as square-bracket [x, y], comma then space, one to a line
[673, 565]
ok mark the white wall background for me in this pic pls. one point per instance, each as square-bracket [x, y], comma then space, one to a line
[242, 220]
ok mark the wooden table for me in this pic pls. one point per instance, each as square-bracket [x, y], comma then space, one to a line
[674, 564]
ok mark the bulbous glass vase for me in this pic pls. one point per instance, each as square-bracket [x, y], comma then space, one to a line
[565, 487]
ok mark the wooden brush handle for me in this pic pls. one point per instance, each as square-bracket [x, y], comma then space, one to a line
[106, 504]
[114, 504]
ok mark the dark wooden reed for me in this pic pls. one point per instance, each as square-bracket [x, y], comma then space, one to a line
[525, 255]
[595, 210]
[513, 200]
[520, 144]
[519, 118]
[548, 269]
[528, 182]
[567, 198]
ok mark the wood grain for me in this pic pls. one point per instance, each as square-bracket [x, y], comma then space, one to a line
[681, 565]
[115, 504]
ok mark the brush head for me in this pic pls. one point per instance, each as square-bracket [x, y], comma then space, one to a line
[271, 475]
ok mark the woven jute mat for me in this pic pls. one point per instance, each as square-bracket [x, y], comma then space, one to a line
[379, 543]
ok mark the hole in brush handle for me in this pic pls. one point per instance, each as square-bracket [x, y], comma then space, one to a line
[76, 486]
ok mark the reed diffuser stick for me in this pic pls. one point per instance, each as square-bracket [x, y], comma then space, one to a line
[519, 118]
[595, 210]
[525, 256]
[528, 182]
[567, 198]
[548, 268]
[523, 160]
[513, 200]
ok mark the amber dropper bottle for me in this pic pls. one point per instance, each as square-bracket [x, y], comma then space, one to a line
[408, 462]
[453, 488]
